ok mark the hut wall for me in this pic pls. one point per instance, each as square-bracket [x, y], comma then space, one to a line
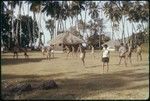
[58, 47]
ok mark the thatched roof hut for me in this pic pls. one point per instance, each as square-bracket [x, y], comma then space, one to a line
[66, 38]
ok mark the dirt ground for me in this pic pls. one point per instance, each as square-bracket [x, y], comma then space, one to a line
[76, 81]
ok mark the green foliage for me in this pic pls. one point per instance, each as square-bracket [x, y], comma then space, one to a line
[94, 39]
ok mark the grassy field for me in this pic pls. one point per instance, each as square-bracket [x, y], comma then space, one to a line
[76, 81]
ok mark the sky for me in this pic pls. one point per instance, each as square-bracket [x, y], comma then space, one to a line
[107, 23]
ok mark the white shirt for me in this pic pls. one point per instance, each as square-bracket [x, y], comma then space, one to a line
[105, 53]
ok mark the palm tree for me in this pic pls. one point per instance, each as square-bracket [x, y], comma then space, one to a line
[50, 26]
[114, 12]
[36, 7]
[138, 13]
[13, 5]
[17, 26]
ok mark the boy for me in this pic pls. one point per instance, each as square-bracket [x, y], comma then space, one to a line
[139, 52]
[52, 50]
[43, 50]
[16, 50]
[92, 51]
[82, 53]
[122, 53]
[25, 53]
[105, 57]
[48, 51]
[130, 50]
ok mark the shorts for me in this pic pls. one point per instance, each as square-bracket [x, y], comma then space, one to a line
[106, 59]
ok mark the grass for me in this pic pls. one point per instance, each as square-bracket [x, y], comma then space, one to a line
[145, 47]
[76, 81]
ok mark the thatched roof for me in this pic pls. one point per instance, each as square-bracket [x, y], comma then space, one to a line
[66, 38]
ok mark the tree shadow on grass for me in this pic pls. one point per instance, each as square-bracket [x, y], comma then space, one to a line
[141, 64]
[88, 84]
[11, 61]
[92, 66]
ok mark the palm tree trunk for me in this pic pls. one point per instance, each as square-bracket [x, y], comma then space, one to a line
[70, 21]
[143, 25]
[122, 29]
[20, 31]
[65, 26]
[85, 20]
[16, 33]
[39, 33]
[77, 23]
[112, 28]
[127, 28]
[55, 30]
[133, 37]
[58, 25]
[33, 27]
[12, 22]
[29, 30]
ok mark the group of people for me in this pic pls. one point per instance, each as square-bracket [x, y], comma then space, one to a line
[16, 51]
[125, 52]
[49, 51]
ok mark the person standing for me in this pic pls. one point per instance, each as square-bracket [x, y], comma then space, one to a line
[122, 53]
[129, 52]
[25, 52]
[139, 52]
[92, 51]
[52, 51]
[48, 51]
[82, 53]
[43, 50]
[105, 57]
[16, 50]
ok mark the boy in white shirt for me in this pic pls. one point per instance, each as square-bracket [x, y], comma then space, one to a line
[105, 57]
